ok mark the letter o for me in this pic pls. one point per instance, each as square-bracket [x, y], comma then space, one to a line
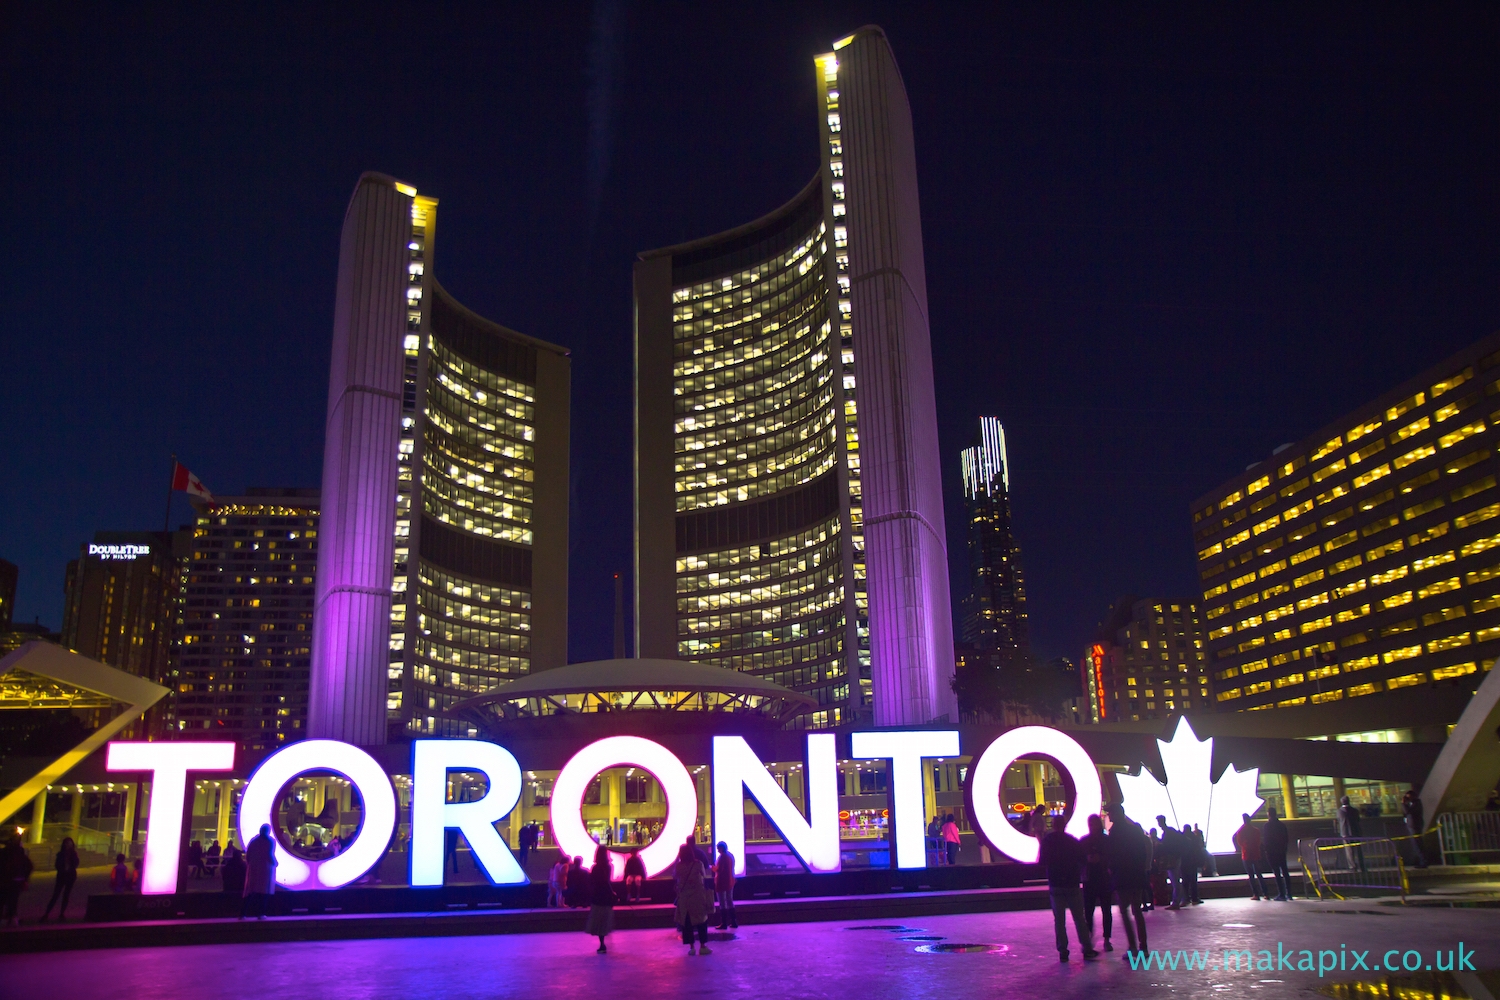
[988, 772]
[1417, 955]
[676, 785]
[363, 772]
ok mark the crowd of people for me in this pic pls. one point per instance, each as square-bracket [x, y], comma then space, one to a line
[1117, 863]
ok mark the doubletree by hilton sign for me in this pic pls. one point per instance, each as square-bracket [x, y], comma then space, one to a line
[737, 771]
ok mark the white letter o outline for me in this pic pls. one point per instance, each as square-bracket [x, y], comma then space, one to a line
[989, 771]
[322, 755]
[616, 751]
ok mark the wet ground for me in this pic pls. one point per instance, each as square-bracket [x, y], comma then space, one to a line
[910, 959]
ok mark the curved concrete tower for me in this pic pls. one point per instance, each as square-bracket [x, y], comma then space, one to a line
[789, 517]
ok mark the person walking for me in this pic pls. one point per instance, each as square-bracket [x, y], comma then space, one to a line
[1062, 856]
[557, 883]
[15, 875]
[1247, 841]
[1273, 844]
[601, 898]
[232, 871]
[935, 841]
[1128, 851]
[951, 839]
[66, 864]
[1170, 856]
[1411, 816]
[724, 887]
[1349, 830]
[1097, 888]
[694, 903]
[119, 876]
[635, 876]
[260, 873]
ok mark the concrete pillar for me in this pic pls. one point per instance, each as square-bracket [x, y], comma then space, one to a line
[38, 814]
[929, 792]
[75, 809]
[616, 789]
[1289, 796]
[515, 824]
[132, 810]
[226, 798]
[1039, 781]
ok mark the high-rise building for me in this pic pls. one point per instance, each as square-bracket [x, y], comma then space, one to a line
[121, 596]
[789, 517]
[244, 624]
[1147, 661]
[1364, 558]
[120, 606]
[993, 613]
[443, 563]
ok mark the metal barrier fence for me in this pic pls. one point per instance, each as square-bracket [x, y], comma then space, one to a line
[1337, 865]
[1463, 835]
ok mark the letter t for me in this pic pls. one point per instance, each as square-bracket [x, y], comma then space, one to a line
[169, 764]
[906, 750]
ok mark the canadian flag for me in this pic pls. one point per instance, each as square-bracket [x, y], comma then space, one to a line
[184, 481]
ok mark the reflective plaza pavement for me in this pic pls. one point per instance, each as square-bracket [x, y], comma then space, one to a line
[862, 959]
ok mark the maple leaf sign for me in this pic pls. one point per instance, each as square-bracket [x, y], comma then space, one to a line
[1189, 796]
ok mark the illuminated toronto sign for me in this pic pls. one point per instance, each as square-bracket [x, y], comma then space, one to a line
[1190, 795]
[119, 552]
[810, 829]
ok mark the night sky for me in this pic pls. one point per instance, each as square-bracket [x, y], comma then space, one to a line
[1160, 241]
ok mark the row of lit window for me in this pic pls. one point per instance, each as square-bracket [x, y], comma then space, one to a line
[774, 338]
[751, 319]
[815, 650]
[728, 286]
[746, 450]
[705, 475]
[787, 545]
[791, 633]
[761, 572]
[827, 577]
[477, 515]
[1358, 690]
[706, 493]
[762, 616]
[712, 433]
[478, 382]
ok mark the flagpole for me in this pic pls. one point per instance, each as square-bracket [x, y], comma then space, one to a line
[166, 518]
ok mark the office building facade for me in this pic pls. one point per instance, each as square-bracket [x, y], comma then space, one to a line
[443, 559]
[120, 607]
[1147, 661]
[1366, 557]
[789, 518]
[993, 613]
[244, 626]
[8, 578]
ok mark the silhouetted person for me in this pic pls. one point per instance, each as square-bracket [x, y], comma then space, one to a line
[577, 892]
[1098, 890]
[232, 871]
[525, 841]
[635, 876]
[601, 898]
[195, 860]
[119, 876]
[1248, 842]
[1411, 816]
[724, 887]
[1062, 856]
[1210, 865]
[66, 864]
[1169, 854]
[450, 848]
[557, 883]
[1349, 830]
[212, 857]
[260, 873]
[1273, 844]
[1129, 853]
[695, 901]
[1192, 864]
[15, 873]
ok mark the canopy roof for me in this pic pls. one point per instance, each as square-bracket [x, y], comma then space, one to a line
[634, 685]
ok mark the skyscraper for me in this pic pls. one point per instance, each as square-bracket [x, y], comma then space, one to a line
[244, 625]
[789, 516]
[443, 564]
[1362, 559]
[993, 613]
[8, 578]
